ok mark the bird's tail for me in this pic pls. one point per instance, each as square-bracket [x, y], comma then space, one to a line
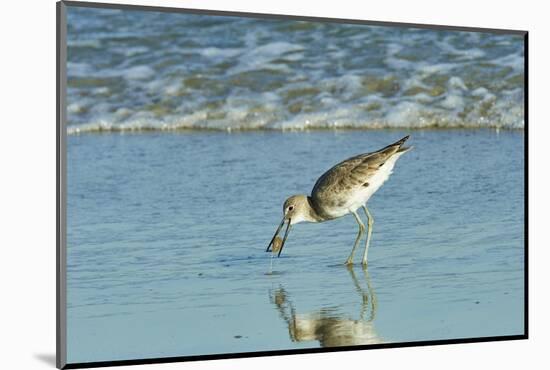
[400, 143]
[398, 146]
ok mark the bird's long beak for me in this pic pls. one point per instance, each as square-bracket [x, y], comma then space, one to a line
[286, 235]
[274, 236]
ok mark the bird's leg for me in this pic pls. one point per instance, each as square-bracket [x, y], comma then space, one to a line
[349, 261]
[370, 221]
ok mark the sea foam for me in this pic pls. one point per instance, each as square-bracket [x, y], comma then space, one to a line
[180, 72]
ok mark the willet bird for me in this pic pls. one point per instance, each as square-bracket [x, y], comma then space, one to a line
[343, 189]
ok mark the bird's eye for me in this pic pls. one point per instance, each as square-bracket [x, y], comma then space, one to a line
[290, 208]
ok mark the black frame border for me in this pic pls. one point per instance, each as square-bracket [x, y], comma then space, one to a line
[61, 84]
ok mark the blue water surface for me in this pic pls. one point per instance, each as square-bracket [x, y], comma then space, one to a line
[167, 232]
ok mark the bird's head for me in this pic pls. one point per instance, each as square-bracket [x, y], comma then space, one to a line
[295, 209]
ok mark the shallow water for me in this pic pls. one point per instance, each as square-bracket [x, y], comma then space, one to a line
[167, 232]
[132, 70]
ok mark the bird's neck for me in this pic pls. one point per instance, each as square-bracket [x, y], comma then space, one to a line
[313, 215]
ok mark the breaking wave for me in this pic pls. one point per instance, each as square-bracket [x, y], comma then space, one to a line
[160, 71]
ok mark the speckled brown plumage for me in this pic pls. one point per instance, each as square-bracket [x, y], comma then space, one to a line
[334, 187]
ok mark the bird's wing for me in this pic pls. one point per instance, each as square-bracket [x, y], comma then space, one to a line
[353, 172]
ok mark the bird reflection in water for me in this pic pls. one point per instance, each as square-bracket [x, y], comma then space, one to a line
[323, 325]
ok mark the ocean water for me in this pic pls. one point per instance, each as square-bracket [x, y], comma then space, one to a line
[167, 232]
[135, 70]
